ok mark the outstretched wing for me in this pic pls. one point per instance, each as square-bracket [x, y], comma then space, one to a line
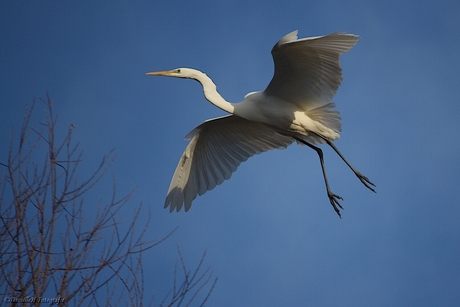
[216, 149]
[307, 71]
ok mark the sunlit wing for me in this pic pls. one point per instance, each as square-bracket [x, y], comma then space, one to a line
[217, 148]
[307, 71]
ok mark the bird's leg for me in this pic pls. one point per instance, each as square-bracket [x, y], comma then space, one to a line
[360, 176]
[333, 198]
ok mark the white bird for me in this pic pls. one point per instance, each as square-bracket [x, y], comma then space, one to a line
[295, 106]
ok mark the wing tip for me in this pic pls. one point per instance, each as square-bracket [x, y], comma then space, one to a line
[292, 36]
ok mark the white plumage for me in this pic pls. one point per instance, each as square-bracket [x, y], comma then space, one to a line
[295, 106]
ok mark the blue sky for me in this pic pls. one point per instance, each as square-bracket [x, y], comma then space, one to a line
[270, 233]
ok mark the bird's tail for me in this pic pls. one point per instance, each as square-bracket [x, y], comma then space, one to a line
[327, 122]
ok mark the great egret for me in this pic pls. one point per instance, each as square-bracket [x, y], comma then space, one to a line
[296, 106]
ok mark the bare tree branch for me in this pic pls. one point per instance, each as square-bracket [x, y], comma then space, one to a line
[49, 245]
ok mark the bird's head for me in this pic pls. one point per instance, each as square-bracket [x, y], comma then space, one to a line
[177, 73]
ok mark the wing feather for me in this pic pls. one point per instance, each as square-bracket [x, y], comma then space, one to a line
[217, 148]
[307, 71]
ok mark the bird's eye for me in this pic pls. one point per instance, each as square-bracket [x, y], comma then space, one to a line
[178, 71]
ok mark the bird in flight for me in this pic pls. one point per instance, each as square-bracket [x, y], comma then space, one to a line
[295, 107]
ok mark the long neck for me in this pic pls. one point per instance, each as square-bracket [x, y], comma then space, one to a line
[211, 94]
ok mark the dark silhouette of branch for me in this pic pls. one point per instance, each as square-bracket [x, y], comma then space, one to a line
[52, 246]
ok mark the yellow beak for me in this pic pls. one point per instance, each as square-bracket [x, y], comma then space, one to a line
[159, 73]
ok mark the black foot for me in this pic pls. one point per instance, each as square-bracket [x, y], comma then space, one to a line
[334, 199]
[366, 181]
